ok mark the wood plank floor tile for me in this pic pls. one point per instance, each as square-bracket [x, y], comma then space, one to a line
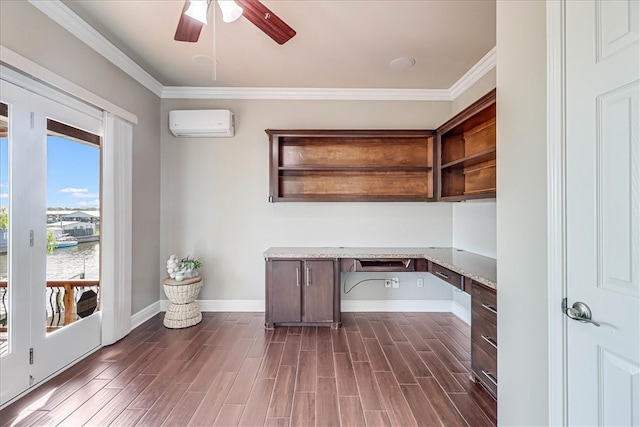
[356, 347]
[423, 330]
[325, 361]
[85, 411]
[229, 415]
[291, 350]
[308, 339]
[345, 377]
[377, 419]
[282, 400]
[109, 412]
[339, 339]
[351, 414]
[452, 364]
[394, 330]
[69, 405]
[422, 410]
[368, 386]
[413, 360]
[241, 388]
[471, 412]
[161, 409]
[307, 372]
[184, 409]
[258, 403]
[440, 372]
[456, 349]
[304, 409]
[376, 355]
[398, 365]
[213, 400]
[414, 338]
[327, 413]
[271, 360]
[440, 401]
[349, 322]
[364, 327]
[277, 422]
[381, 332]
[394, 400]
[323, 334]
[128, 418]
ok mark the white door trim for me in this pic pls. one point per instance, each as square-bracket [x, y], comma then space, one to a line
[556, 213]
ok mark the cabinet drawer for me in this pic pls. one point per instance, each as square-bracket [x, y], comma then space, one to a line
[484, 332]
[484, 367]
[483, 303]
[447, 275]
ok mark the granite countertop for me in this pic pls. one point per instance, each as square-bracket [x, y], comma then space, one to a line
[478, 267]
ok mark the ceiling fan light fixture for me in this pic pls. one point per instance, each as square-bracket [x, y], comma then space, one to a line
[230, 10]
[198, 10]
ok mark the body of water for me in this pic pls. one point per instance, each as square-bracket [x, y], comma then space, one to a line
[68, 263]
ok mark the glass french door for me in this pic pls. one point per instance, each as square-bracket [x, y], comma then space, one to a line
[50, 218]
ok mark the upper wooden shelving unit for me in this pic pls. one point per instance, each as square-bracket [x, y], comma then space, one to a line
[467, 152]
[351, 165]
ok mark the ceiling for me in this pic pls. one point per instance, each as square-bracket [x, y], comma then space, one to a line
[339, 43]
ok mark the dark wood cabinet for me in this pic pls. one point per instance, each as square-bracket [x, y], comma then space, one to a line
[447, 275]
[302, 292]
[484, 341]
[467, 152]
[351, 165]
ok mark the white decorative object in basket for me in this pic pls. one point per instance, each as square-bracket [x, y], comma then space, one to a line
[183, 311]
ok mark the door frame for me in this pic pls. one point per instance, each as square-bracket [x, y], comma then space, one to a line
[116, 251]
[556, 214]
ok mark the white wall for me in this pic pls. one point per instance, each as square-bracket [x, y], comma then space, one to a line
[521, 214]
[215, 192]
[474, 226]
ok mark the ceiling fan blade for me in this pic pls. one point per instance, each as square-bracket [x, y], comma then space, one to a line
[260, 16]
[188, 28]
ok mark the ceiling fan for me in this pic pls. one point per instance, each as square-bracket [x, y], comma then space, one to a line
[194, 16]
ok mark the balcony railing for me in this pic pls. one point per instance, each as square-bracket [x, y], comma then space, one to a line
[65, 303]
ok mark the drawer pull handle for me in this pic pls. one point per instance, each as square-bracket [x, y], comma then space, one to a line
[490, 341]
[491, 309]
[308, 276]
[490, 377]
[298, 276]
[444, 276]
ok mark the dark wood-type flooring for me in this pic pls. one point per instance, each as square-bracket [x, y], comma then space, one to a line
[379, 369]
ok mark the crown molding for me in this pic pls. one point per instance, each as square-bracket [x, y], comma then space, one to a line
[61, 14]
[65, 17]
[482, 67]
[173, 92]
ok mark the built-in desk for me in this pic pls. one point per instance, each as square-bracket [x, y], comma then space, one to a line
[302, 287]
[480, 268]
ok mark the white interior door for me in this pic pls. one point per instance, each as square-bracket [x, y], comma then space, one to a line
[36, 349]
[602, 63]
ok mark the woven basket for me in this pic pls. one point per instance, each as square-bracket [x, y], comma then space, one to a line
[183, 294]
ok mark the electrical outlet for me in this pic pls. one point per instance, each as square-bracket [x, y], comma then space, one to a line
[395, 282]
[420, 282]
[387, 283]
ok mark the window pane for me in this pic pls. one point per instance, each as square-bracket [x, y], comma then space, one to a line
[73, 224]
[4, 228]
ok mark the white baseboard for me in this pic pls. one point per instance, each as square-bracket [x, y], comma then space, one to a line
[462, 312]
[145, 314]
[224, 305]
[346, 306]
[395, 305]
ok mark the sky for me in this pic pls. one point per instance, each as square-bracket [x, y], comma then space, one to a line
[73, 174]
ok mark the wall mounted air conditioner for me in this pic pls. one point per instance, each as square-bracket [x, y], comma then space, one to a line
[201, 123]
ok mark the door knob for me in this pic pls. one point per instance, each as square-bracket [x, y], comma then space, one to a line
[579, 311]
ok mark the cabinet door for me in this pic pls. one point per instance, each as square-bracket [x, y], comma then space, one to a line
[318, 291]
[285, 280]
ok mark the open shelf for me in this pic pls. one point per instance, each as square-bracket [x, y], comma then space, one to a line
[467, 152]
[376, 165]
